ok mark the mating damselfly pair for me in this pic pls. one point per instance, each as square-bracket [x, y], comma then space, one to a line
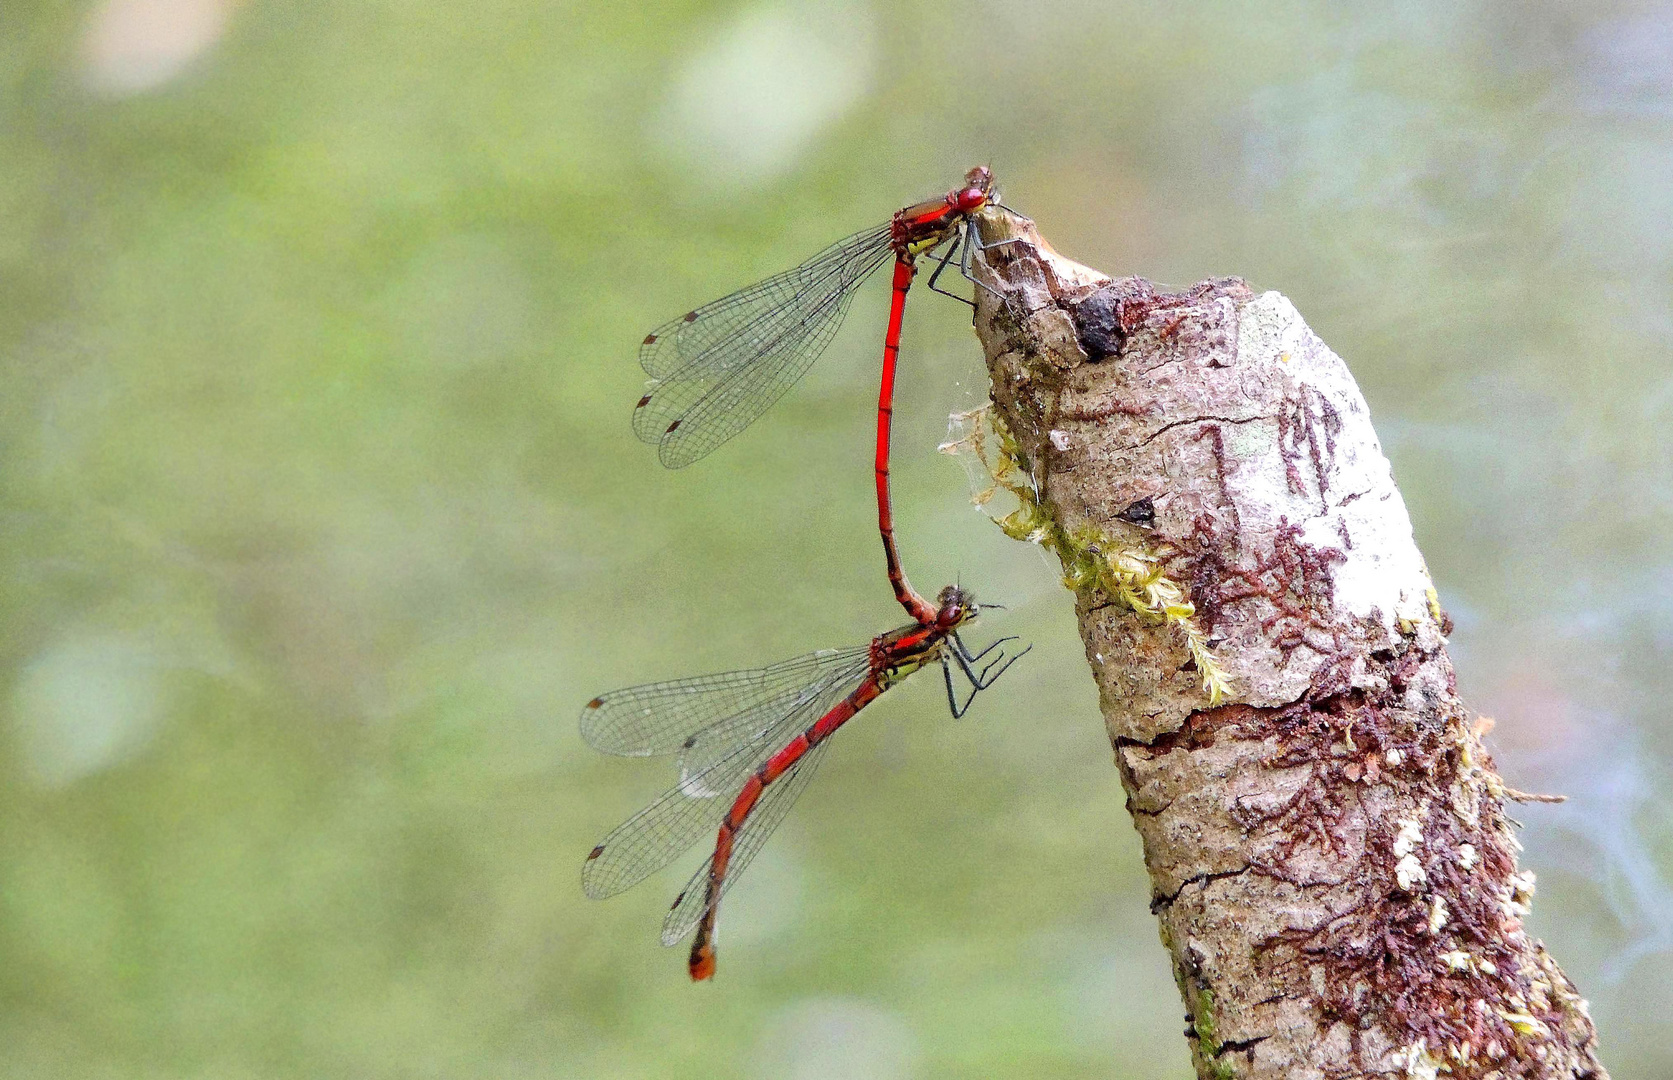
[747, 742]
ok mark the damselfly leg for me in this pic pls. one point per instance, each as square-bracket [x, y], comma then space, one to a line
[967, 661]
[941, 264]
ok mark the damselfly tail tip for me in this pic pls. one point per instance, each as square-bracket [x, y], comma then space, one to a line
[702, 963]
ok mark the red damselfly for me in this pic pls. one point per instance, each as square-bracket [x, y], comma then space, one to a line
[716, 368]
[747, 743]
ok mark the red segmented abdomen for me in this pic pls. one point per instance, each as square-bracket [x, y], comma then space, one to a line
[702, 960]
[780, 762]
[915, 605]
[743, 804]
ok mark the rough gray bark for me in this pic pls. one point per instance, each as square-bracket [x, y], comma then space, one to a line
[1331, 864]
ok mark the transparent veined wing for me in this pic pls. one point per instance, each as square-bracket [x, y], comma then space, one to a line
[714, 762]
[659, 718]
[716, 369]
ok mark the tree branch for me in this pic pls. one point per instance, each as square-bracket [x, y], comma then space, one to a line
[1330, 860]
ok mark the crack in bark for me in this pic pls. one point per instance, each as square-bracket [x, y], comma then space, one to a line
[1197, 733]
[1165, 428]
[1159, 365]
[1157, 903]
[1236, 1046]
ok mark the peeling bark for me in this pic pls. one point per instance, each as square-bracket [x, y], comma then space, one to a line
[1331, 864]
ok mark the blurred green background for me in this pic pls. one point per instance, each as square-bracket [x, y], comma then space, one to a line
[323, 516]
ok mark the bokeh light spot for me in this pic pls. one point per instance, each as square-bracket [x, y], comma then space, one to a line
[130, 46]
[83, 705]
[747, 106]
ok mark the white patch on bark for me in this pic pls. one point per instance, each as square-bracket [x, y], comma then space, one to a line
[1408, 872]
[1383, 571]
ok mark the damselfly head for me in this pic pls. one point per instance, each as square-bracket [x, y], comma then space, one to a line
[956, 607]
[978, 185]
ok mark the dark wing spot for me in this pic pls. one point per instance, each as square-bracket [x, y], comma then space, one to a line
[595, 703]
[691, 316]
[646, 400]
[650, 339]
[671, 428]
[691, 740]
[595, 853]
[676, 902]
